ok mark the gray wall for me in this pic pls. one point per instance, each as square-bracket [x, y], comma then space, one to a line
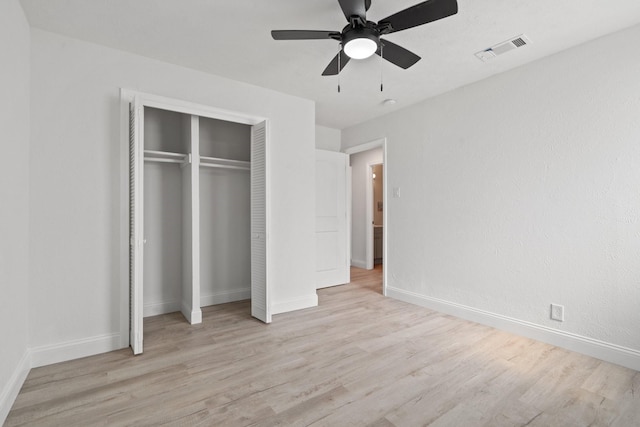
[327, 138]
[522, 190]
[79, 218]
[14, 196]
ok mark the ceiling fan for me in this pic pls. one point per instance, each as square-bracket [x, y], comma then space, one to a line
[361, 38]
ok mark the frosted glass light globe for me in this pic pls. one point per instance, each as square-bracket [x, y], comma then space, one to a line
[360, 48]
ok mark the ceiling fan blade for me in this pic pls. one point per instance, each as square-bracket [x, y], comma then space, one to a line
[354, 7]
[304, 35]
[397, 55]
[332, 68]
[423, 13]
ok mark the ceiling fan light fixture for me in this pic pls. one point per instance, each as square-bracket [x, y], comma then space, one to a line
[360, 48]
[360, 43]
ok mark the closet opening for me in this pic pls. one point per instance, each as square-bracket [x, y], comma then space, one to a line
[198, 211]
[167, 281]
[225, 212]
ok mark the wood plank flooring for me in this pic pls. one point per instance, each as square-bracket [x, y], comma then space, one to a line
[357, 359]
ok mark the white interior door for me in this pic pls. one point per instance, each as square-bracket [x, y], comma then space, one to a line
[136, 226]
[260, 308]
[332, 231]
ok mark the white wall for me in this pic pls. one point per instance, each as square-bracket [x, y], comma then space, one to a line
[359, 162]
[524, 190]
[78, 179]
[14, 196]
[327, 138]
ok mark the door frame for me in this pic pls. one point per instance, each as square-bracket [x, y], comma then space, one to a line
[380, 142]
[180, 106]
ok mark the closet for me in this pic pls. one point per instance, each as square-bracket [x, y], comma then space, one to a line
[197, 211]
[225, 235]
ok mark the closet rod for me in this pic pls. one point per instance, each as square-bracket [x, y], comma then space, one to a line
[211, 165]
[161, 160]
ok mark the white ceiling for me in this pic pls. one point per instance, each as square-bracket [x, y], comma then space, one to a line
[231, 38]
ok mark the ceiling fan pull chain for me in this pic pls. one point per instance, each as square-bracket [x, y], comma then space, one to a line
[339, 52]
[381, 61]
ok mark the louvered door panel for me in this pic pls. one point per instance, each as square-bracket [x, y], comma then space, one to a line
[136, 158]
[259, 296]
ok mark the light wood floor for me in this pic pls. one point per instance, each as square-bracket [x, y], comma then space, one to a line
[357, 359]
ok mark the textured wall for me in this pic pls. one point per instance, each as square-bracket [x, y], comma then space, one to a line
[327, 138]
[77, 175]
[524, 190]
[14, 196]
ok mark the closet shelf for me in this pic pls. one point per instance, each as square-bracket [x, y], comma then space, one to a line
[165, 157]
[214, 162]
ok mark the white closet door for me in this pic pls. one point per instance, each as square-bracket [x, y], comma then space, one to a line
[136, 226]
[332, 237]
[260, 308]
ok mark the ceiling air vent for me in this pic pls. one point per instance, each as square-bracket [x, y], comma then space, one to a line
[503, 47]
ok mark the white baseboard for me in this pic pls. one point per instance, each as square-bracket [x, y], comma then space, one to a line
[69, 350]
[193, 316]
[11, 389]
[295, 304]
[609, 352]
[156, 308]
[359, 263]
[225, 297]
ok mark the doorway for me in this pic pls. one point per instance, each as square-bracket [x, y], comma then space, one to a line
[376, 211]
[364, 206]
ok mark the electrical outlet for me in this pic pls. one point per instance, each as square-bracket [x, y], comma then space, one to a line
[557, 312]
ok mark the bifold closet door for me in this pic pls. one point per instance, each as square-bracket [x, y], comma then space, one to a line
[136, 227]
[260, 308]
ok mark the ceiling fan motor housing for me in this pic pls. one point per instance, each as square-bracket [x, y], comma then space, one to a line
[360, 42]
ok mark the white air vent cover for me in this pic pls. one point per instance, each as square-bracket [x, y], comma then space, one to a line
[503, 47]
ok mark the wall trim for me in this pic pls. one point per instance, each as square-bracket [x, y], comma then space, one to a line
[11, 389]
[193, 316]
[627, 357]
[75, 349]
[295, 304]
[164, 307]
[156, 308]
[225, 297]
[359, 263]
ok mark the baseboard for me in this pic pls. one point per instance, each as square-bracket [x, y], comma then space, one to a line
[609, 352]
[154, 309]
[225, 297]
[359, 263]
[69, 350]
[193, 316]
[11, 389]
[295, 304]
